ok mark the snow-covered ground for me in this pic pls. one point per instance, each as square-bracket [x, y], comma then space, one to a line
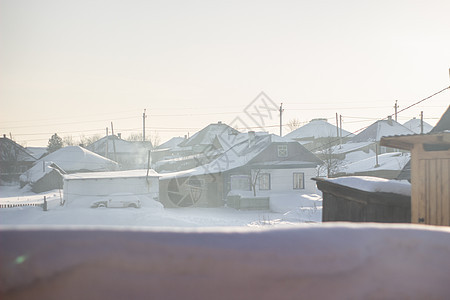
[76, 252]
[151, 214]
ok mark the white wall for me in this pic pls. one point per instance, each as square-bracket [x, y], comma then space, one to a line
[106, 186]
[282, 181]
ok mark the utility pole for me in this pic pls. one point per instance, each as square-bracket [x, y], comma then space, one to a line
[337, 125]
[396, 107]
[421, 122]
[107, 142]
[114, 142]
[340, 132]
[281, 119]
[376, 155]
[143, 125]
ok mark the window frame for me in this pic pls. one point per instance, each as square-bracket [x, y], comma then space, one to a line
[281, 149]
[295, 181]
[260, 176]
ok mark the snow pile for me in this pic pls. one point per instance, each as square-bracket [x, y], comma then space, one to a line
[374, 184]
[327, 261]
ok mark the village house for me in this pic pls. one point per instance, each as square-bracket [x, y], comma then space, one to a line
[418, 126]
[47, 172]
[317, 133]
[262, 165]
[199, 149]
[14, 160]
[165, 151]
[362, 155]
[128, 154]
[83, 189]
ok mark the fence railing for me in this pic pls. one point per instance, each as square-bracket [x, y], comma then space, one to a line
[43, 204]
[12, 205]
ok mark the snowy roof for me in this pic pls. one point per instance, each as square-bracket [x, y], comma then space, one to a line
[241, 154]
[350, 147]
[386, 161]
[415, 126]
[207, 135]
[10, 150]
[69, 159]
[317, 128]
[379, 129]
[374, 184]
[140, 173]
[37, 152]
[444, 122]
[172, 143]
[113, 143]
[407, 141]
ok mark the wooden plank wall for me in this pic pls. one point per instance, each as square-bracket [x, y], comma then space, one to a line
[430, 186]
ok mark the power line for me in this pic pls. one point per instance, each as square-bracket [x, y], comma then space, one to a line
[422, 100]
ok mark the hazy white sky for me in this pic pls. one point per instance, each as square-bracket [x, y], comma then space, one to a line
[72, 67]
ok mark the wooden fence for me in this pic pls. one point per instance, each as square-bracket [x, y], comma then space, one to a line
[12, 205]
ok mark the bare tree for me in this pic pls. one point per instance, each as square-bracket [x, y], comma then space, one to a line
[254, 180]
[331, 163]
[155, 139]
[85, 141]
[136, 137]
[68, 141]
[293, 124]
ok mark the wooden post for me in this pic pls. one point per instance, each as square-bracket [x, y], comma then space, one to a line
[148, 169]
[45, 203]
[143, 126]
[107, 142]
[421, 122]
[376, 155]
[337, 125]
[281, 119]
[114, 142]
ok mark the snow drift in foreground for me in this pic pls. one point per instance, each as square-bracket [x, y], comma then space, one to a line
[333, 260]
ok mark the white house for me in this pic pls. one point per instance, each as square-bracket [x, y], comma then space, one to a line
[83, 188]
[261, 166]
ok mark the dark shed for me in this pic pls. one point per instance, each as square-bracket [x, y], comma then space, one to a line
[344, 203]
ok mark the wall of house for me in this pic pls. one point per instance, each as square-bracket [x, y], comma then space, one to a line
[192, 191]
[282, 181]
[77, 188]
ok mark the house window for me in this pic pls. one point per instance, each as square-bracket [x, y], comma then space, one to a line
[299, 181]
[264, 181]
[240, 182]
[282, 151]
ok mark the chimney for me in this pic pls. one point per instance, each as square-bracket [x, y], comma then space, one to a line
[390, 120]
[220, 122]
[119, 135]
